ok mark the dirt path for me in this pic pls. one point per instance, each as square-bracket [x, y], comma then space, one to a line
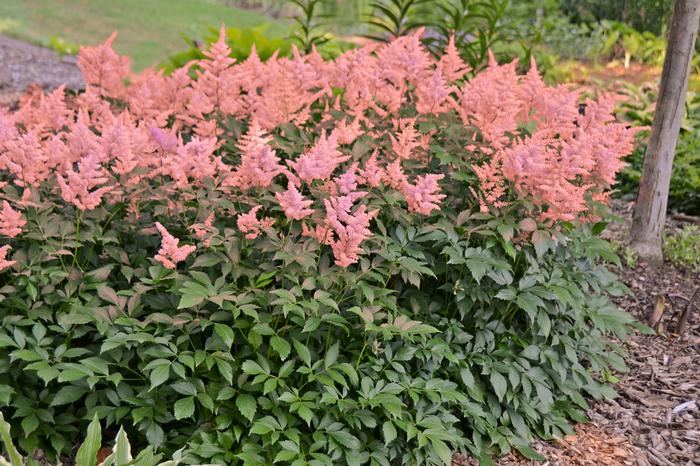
[24, 64]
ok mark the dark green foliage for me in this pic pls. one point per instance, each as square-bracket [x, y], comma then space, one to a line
[684, 192]
[395, 18]
[308, 32]
[643, 15]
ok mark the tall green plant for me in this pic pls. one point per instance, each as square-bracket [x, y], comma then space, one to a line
[395, 18]
[309, 32]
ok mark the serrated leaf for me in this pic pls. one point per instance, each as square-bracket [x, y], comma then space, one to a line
[247, 405]
[184, 408]
[331, 355]
[389, 432]
[499, 384]
[252, 368]
[281, 346]
[67, 395]
[159, 375]
[226, 334]
[302, 351]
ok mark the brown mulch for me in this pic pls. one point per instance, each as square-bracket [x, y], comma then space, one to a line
[24, 64]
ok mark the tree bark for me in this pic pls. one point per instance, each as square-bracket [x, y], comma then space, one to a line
[652, 200]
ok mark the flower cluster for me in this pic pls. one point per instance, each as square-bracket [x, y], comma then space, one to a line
[160, 140]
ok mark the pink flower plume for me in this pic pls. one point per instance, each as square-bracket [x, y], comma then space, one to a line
[11, 221]
[170, 253]
[293, 203]
[4, 263]
[250, 225]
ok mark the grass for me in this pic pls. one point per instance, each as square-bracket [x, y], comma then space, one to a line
[149, 30]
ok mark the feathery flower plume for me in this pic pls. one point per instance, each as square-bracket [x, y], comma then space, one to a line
[11, 221]
[423, 197]
[451, 64]
[259, 163]
[372, 174]
[293, 203]
[319, 162]
[170, 253]
[250, 225]
[4, 263]
[101, 66]
[347, 133]
[166, 141]
[407, 139]
[349, 228]
[347, 182]
[205, 230]
[26, 159]
[77, 186]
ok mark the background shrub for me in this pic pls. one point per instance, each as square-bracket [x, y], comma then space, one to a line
[684, 192]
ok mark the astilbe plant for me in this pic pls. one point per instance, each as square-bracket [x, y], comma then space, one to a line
[363, 260]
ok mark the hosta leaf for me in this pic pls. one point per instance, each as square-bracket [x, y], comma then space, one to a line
[529, 453]
[87, 453]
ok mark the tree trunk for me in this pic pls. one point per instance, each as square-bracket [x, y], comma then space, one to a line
[650, 209]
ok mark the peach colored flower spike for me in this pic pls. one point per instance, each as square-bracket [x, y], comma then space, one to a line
[4, 263]
[11, 221]
[250, 225]
[293, 203]
[170, 253]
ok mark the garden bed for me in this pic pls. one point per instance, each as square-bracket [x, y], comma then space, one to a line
[636, 427]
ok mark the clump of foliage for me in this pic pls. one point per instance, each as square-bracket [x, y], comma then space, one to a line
[682, 247]
[367, 260]
[642, 15]
[240, 41]
[684, 192]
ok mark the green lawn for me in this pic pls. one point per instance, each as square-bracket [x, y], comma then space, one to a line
[149, 30]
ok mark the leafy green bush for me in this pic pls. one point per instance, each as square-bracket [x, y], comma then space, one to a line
[240, 41]
[682, 247]
[643, 15]
[684, 191]
[377, 275]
